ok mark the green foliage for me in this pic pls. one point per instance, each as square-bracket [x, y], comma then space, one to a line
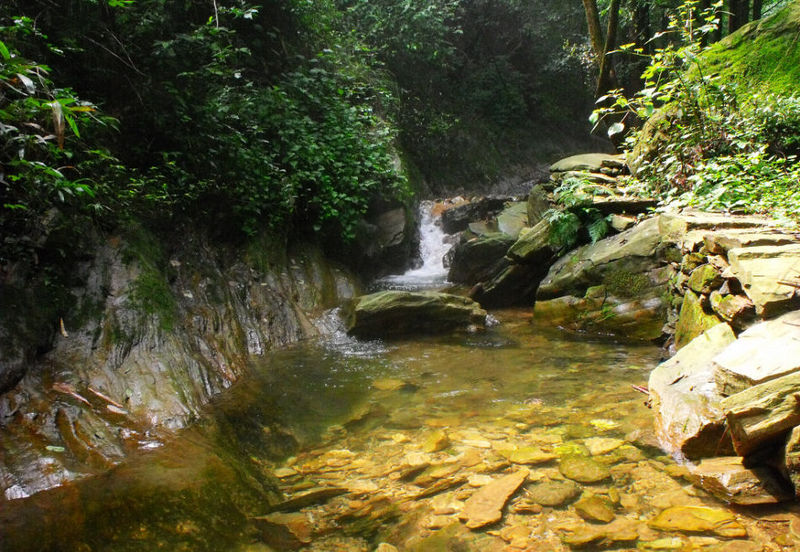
[576, 215]
[45, 161]
[710, 142]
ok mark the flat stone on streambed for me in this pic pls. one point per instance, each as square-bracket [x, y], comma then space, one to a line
[552, 493]
[602, 445]
[307, 498]
[486, 505]
[595, 508]
[583, 469]
[698, 519]
[592, 537]
[391, 313]
[528, 455]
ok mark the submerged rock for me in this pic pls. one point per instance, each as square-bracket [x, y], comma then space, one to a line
[390, 313]
[486, 505]
[698, 519]
[552, 493]
[583, 469]
[595, 508]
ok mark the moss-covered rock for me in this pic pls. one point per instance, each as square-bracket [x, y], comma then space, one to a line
[761, 56]
[693, 320]
[389, 313]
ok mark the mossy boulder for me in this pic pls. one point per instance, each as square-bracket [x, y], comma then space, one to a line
[634, 251]
[763, 56]
[693, 320]
[392, 313]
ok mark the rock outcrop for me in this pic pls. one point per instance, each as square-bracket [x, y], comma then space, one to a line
[153, 336]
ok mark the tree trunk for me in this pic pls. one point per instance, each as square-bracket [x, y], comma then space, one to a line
[735, 12]
[641, 26]
[757, 5]
[595, 31]
[608, 77]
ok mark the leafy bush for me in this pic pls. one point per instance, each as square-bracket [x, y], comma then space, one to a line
[716, 146]
[46, 161]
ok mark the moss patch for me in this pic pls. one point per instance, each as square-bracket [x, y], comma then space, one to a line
[150, 293]
[622, 283]
[763, 56]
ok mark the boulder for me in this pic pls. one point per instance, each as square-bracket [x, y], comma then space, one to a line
[763, 414]
[511, 284]
[688, 418]
[591, 162]
[693, 320]
[389, 241]
[456, 219]
[533, 246]
[597, 312]
[736, 310]
[475, 259]
[630, 253]
[729, 480]
[538, 204]
[388, 313]
[764, 352]
[513, 218]
[791, 459]
[766, 273]
[704, 279]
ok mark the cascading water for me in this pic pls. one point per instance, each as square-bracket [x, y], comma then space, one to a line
[433, 247]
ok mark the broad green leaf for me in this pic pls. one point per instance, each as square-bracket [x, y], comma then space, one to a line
[616, 128]
[4, 51]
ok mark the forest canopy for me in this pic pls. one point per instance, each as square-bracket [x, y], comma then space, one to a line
[293, 116]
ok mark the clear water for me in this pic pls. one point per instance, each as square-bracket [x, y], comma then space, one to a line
[344, 413]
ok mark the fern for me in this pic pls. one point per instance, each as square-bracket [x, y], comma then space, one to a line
[565, 228]
[598, 228]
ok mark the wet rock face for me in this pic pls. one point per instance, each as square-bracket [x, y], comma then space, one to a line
[456, 219]
[153, 336]
[685, 399]
[388, 313]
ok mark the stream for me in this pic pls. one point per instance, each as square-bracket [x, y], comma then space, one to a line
[358, 443]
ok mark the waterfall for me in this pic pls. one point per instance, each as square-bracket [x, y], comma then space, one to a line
[433, 247]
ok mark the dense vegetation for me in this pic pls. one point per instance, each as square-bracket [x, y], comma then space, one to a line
[298, 117]
[723, 122]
